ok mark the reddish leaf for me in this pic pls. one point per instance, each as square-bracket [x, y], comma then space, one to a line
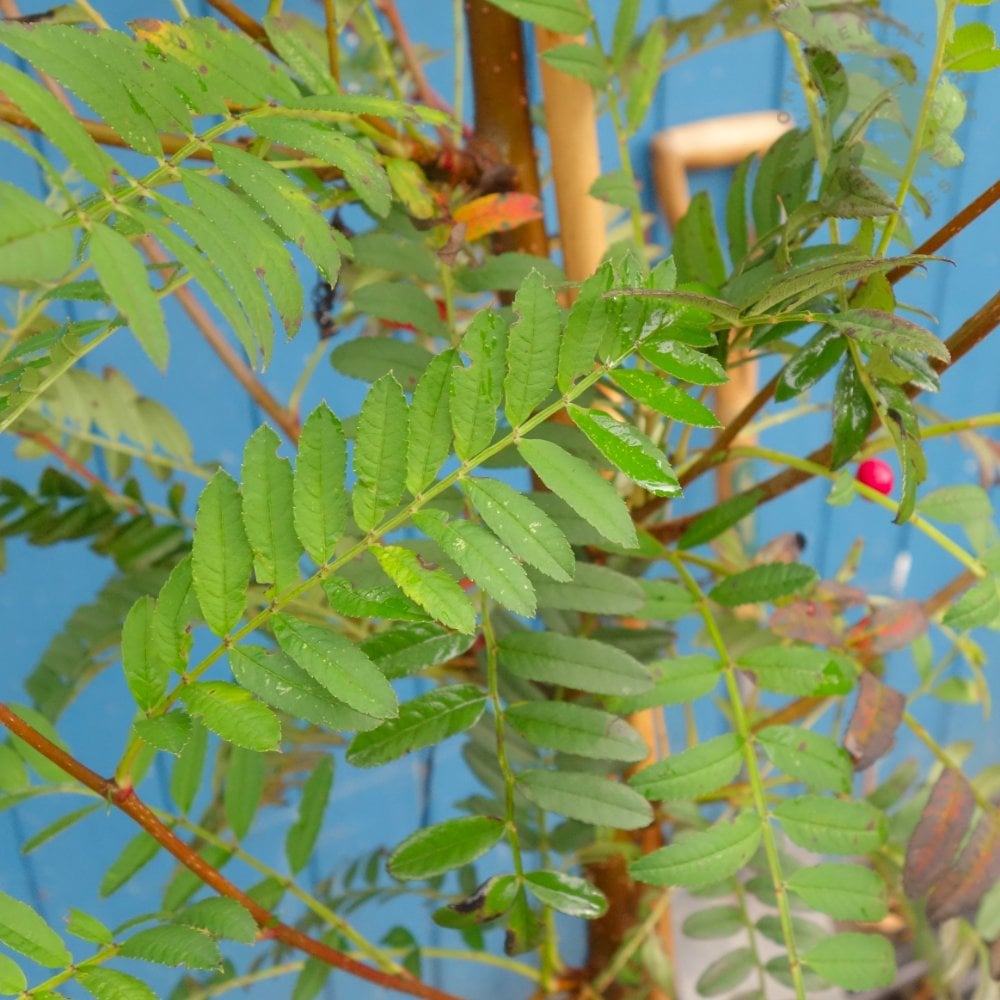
[889, 628]
[977, 869]
[807, 621]
[840, 596]
[496, 213]
[874, 721]
[937, 835]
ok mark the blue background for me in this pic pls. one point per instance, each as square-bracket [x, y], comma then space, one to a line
[369, 809]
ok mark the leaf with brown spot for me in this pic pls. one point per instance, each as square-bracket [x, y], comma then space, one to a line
[495, 213]
[807, 621]
[889, 628]
[978, 867]
[938, 833]
[874, 721]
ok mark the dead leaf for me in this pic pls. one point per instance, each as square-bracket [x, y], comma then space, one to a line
[808, 621]
[889, 628]
[496, 213]
[978, 867]
[938, 833]
[874, 721]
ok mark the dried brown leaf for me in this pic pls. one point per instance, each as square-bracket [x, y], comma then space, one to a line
[938, 833]
[874, 721]
[977, 869]
[807, 621]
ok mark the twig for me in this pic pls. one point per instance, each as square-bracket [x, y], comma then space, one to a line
[425, 92]
[253, 29]
[124, 798]
[330, 26]
[241, 371]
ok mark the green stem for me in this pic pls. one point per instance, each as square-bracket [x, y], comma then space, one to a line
[458, 51]
[249, 979]
[939, 430]
[71, 972]
[745, 732]
[509, 778]
[373, 537]
[741, 899]
[813, 469]
[944, 33]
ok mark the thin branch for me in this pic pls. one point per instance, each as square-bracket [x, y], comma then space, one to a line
[253, 29]
[286, 421]
[972, 332]
[414, 66]
[332, 33]
[125, 799]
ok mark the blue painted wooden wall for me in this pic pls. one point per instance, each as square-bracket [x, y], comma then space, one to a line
[38, 594]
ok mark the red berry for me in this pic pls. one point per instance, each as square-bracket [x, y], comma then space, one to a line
[875, 473]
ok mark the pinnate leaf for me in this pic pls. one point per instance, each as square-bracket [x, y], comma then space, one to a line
[576, 729]
[696, 771]
[302, 834]
[588, 798]
[145, 673]
[532, 348]
[24, 931]
[854, 961]
[832, 826]
[812, 758]
[233, 714]
[174, 945]
[567, 894]
[319, 500]
[846, 892]
[763, 583]
[437, 849]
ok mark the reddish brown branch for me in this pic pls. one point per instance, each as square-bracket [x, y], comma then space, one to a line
[125, 799]
[253, 29]
[241, 371]
[425, 92]
[973, 331]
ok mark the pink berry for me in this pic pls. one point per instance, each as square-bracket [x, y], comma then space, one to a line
[876, 474]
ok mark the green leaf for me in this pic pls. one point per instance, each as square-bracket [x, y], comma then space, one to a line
[652, 391]
[763, 583]
[424, 721]
[628, 450]
[569, 661]
[643, 83]
[409, 649]
[616, 187]
[846, 892]
[338, 665]
[588, 798]
[737, 229]
[589, 319]
[854, 961]
[430, 423]
[522, 526]
[27, 933]
[979, 605]
[278, 680]
[720, 518]
[88, 928]
[233, 714]
[437, 849]
[696, 247]
[58, 826]
[582, 489]
[241, 793]
[34, 244]
[874, 328]
[285, 204]
[582, 62]
[433, 589]
[532, 349]
[221, 917]
[702, 858]
[122, 273]
[259, 246]
[594, 589]
[361, 170]
[567, 894]
[852, 415]
[800, 670]
[169, 732]
[972, 49]
[809, 364]
[267, 500]
[726, 973]
[400, 304]
[832, 826]
[58, 125]
[715, 922]
[957, 504]
[175, 606]
[146, 675]
[112, 984]
[696, 771]
[302, 834]
[811, 757]
[481, 558]
[134, 856]
[576, 729]
[557, 15]
[174, 945]
[221, 557]
[675, 682]
[685, 362]
[12, 979]
[380, 453]
[476, 389]
[319, 500]
[380, 250]
[185, 778]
